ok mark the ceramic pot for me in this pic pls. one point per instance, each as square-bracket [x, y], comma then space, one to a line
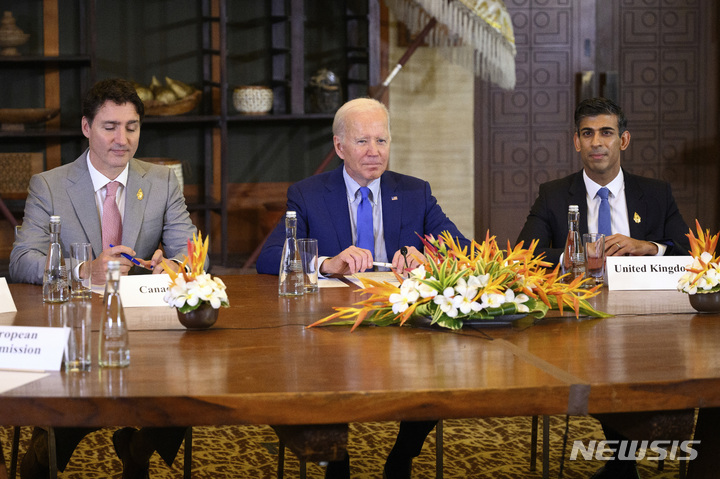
[11, 36]
[705, 302]
[201, 318]
[253, 100]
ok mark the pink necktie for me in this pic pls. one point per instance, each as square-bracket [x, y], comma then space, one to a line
[111, 221]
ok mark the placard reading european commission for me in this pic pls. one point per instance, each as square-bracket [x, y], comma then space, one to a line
[31, 348]
[645, 272]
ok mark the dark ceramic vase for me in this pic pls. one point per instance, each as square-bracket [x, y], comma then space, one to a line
[705, 302]
[201, 318]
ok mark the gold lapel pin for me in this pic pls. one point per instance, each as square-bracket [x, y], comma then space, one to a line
[393, 198]
[636, 218]
[140, 195]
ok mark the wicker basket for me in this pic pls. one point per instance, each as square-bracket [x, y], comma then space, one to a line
[155, 108]
[253, 100]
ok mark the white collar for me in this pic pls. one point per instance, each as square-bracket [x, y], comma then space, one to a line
[352, 186]
[99, 180]
[615, 186]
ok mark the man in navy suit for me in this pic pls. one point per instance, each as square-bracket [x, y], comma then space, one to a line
[327, 206]
[644, 217]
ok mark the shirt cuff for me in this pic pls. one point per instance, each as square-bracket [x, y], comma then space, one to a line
[661, 248]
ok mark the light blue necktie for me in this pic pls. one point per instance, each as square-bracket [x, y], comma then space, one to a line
[365, 235]
[604, 224]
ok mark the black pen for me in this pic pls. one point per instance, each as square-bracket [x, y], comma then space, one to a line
[135, 261]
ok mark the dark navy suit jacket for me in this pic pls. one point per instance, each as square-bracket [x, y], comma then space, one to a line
[652, 213]
[322, 212]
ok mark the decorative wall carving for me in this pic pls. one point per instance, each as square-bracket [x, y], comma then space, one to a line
[665, 56]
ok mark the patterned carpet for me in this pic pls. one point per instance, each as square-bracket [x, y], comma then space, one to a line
[497, 448]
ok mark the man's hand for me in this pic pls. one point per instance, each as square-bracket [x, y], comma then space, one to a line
[156, 263]
[413, 260]
[621, 245]
[349, 261]
[99, 264]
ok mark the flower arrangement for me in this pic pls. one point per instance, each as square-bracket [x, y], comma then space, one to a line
[703, 275]
[191, 286]
[454, 285]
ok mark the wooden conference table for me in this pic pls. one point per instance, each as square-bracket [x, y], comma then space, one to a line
[259, 365]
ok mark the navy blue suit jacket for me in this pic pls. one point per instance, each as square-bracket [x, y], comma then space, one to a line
[322, 212]
[658, 217]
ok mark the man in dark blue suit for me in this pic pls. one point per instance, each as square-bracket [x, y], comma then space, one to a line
[644, 219]
[326, 204]
[327, 207]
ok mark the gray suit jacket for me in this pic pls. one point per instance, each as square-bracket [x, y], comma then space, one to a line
[158, 216]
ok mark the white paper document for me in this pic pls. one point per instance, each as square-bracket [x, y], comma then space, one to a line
[7, 305]
[379, 276]
[14, 379]
[330, 283]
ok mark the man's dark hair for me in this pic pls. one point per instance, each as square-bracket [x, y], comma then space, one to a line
[600, 106]
[117, 90]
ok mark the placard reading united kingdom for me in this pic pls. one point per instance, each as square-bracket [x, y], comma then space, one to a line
[645, 272]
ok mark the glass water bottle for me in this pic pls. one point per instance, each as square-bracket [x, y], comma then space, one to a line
[55, 277]
[290, 278]
[114, 350]
[574, 259]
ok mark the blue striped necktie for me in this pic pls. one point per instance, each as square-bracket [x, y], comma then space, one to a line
[604, 223]
[365, 235]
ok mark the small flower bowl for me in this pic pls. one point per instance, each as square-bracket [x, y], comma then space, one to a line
[201, 318]
[705, 302]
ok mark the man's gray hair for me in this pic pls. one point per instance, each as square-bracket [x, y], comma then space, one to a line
[339, 127]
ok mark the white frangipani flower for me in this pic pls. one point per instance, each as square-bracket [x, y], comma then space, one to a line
[492, 300]
[519, 299]
[445, 302]
[465, 299]
[427, 291]
[400, 301]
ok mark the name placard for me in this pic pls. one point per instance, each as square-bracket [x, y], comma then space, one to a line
[7, 305]
[645, 272]
[144, 290]
[29, 348]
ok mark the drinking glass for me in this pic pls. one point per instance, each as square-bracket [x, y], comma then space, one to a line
[78, 319]
[308, 248]
[80, 270]
[594, 244]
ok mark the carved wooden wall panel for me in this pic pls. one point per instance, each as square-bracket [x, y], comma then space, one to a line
[664, 55]
[660, 61]
[525, 136]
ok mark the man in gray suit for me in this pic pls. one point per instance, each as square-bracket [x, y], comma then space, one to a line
[149, 199]
[150, 211]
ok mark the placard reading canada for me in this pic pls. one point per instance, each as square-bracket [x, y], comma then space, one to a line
[645, 272]
[30, 348]
[144, 290]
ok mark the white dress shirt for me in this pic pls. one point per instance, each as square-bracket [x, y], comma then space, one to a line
[100, 182]
[352, 189]
[620, 223]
